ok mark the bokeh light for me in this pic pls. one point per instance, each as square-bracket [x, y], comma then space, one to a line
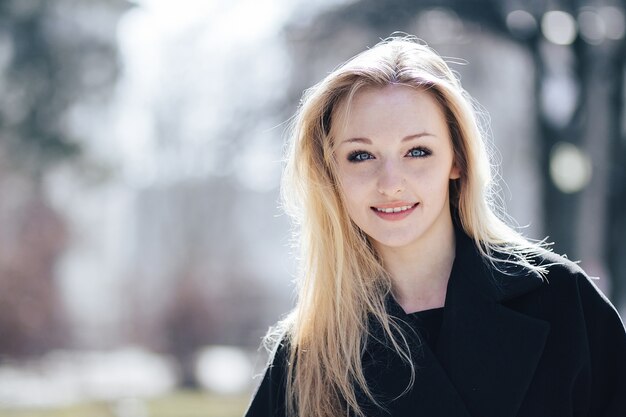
[559, 97]
[592, 28]
[614, 22]
[521, 23]
[559, 27]
[570, 168]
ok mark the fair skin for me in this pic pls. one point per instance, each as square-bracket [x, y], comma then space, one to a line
[394, 163]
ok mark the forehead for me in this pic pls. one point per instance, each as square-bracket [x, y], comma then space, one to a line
[374, 111]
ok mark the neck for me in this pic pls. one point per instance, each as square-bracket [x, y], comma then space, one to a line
[420, 272]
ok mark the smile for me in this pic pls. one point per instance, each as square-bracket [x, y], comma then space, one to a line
[395, 209]
[394, 213]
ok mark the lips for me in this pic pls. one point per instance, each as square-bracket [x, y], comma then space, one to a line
[395, 211]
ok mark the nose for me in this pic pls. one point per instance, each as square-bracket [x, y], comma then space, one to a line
[391, 180]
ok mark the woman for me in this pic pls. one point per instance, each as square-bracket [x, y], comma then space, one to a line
[414, 298]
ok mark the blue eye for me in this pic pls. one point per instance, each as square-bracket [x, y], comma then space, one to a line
[359, 156]
[418, 152]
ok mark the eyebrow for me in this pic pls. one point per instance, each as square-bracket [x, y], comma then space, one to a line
[404, 139]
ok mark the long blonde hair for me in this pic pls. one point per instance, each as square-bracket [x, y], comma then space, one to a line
[342, 282]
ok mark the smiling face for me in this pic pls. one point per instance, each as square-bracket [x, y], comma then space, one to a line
[394, 161]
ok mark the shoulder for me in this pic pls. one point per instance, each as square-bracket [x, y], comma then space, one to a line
[586, 335]
[554, 281]
[269, 398]
[567, 290]
[551, 270]
[562, 273]
[559, 266]
[279, 349]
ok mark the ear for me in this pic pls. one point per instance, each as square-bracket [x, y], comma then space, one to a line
[455, 172]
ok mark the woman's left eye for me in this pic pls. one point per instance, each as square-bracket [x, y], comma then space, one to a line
[418, 153]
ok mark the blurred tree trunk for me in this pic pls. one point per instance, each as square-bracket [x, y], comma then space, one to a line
[51, 60]
[616, 207]
[560, 209]
[32, 236]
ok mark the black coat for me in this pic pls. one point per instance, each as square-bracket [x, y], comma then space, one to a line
[509, 345]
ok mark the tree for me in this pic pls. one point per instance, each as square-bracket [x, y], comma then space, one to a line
[51, 60]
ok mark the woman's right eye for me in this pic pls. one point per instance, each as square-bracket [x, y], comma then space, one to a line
[359, 156]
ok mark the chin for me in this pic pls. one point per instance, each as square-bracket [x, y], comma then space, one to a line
[396, 243]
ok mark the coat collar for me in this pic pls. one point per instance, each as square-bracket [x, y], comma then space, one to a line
[486, 354]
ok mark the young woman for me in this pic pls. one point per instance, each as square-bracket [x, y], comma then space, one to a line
[414, 297]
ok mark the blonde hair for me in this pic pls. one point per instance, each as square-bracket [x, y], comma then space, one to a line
[342, 284]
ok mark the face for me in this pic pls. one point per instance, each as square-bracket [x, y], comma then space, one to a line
[394, 163]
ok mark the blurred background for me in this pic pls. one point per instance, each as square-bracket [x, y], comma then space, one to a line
[142, 251]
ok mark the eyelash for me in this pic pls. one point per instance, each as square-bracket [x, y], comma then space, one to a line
[354, 156]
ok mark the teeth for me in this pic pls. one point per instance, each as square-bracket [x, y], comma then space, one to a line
[394, 210]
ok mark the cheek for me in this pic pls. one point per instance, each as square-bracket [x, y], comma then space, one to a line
[355, 196]
[433, 184]
[355, 182]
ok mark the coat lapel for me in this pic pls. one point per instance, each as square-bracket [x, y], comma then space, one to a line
[486, 354]
[489, 352]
